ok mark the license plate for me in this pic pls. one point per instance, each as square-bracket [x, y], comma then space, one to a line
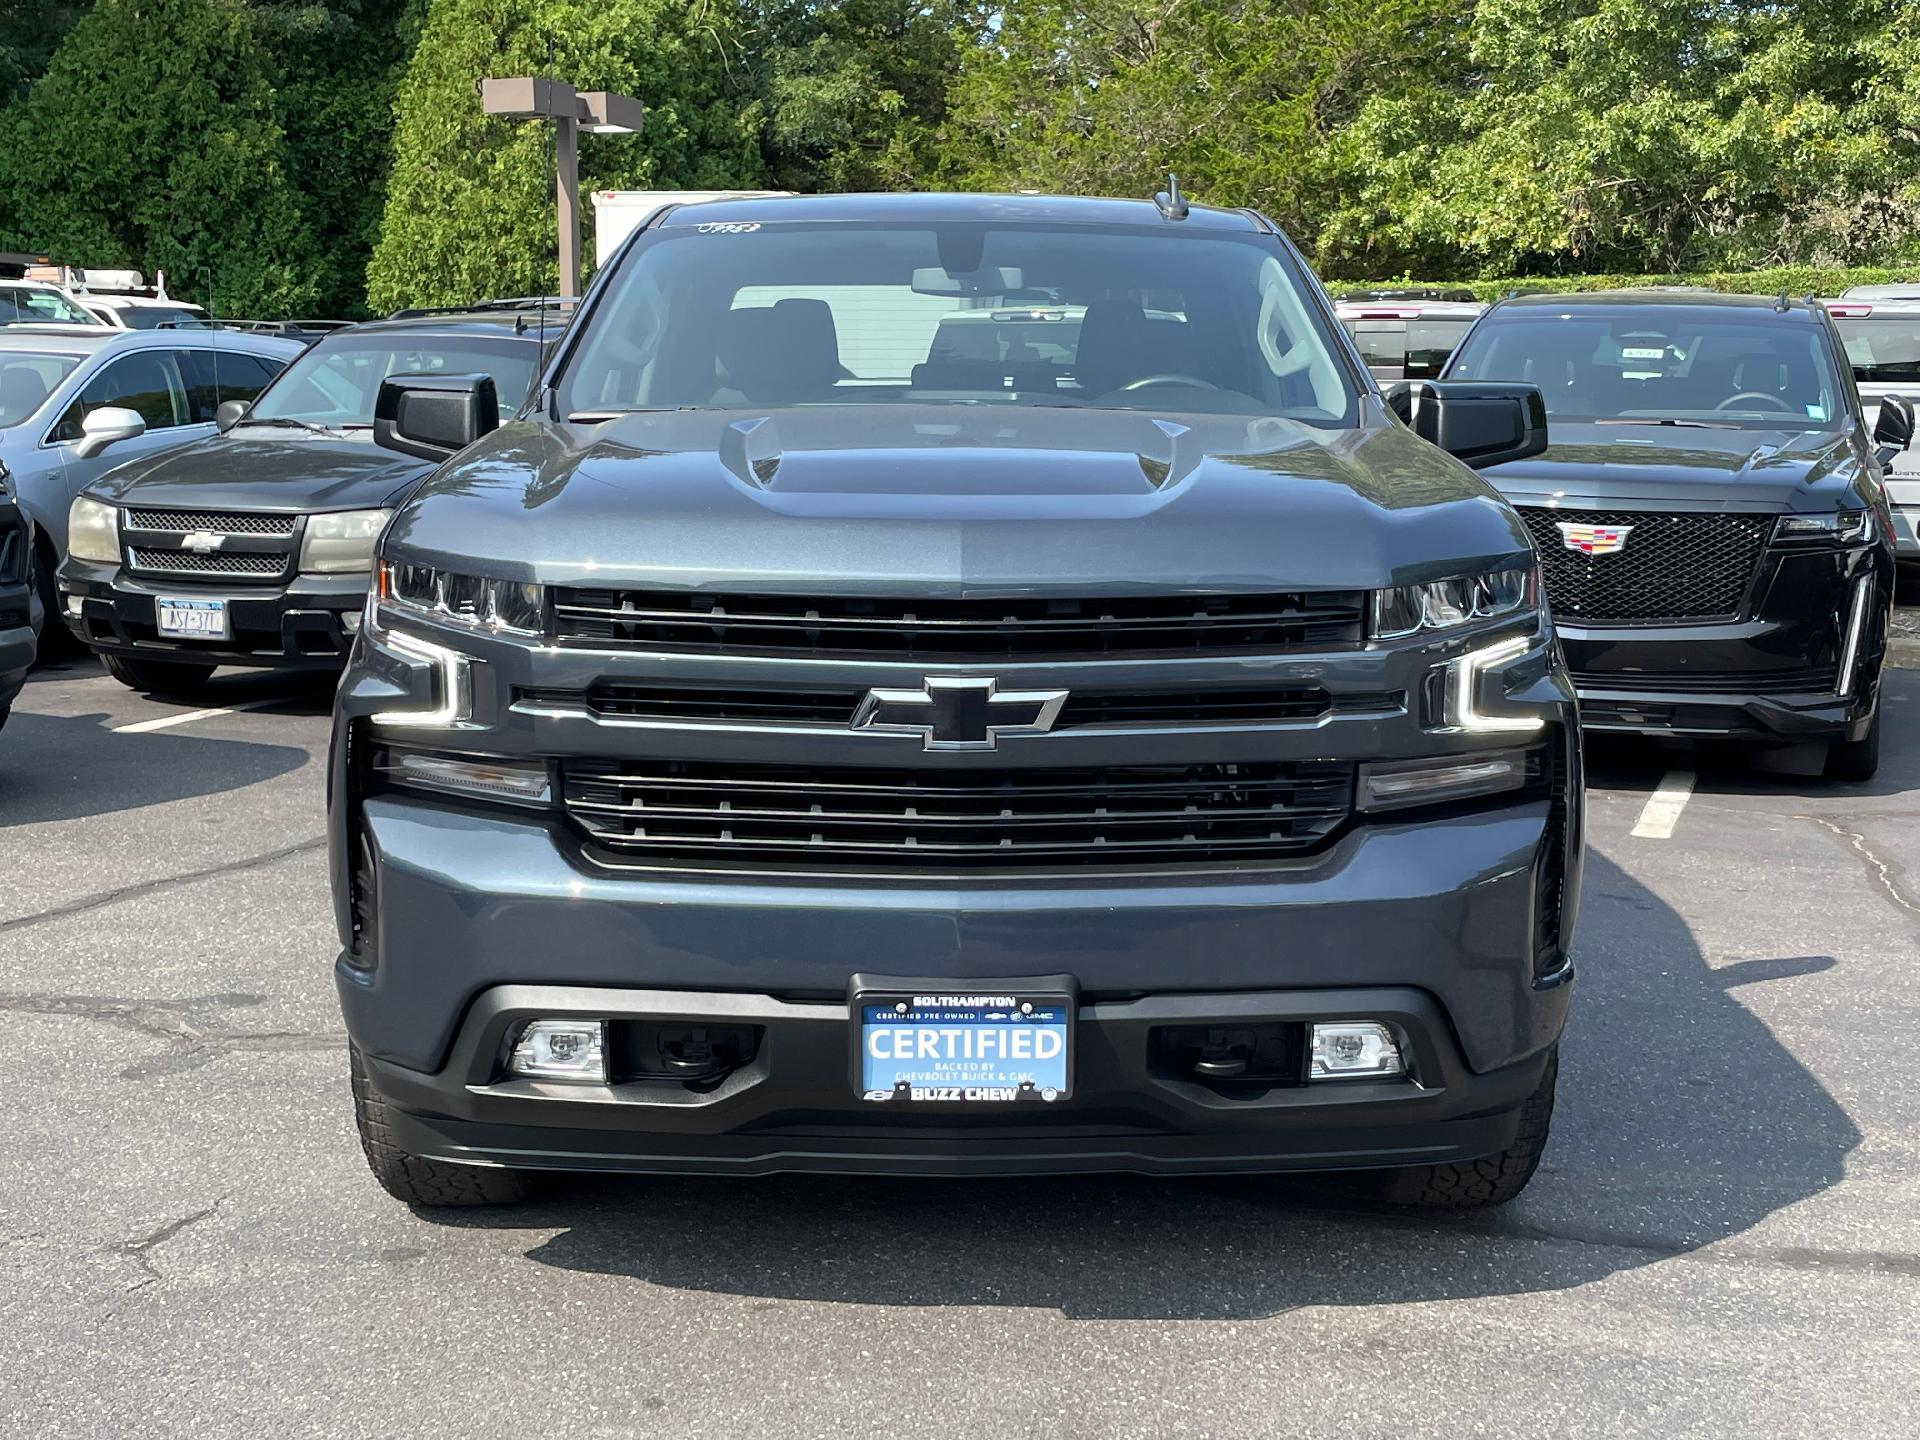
[965, 1048]
[192, 619]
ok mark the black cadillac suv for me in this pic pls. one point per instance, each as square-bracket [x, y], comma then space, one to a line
[793, 744]
[1710, 515]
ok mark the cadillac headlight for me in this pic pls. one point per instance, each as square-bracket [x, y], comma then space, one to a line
[1404, 610]
[341, 542]
[509, 606]
[1844, 527]
[93, 532]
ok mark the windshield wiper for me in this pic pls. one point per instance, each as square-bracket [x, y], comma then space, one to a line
[288, 420]
[1681, 424]
[595, 417]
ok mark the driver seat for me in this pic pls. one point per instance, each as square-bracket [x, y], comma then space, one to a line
[1117, 346]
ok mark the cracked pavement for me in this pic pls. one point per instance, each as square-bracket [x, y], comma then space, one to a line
[1723, 1240]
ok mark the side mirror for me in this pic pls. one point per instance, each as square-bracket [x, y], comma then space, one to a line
[1478, 422]
[107, 426]
[1893, 431]
[434, 416]
[231, 413]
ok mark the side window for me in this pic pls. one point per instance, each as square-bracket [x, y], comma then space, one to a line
[147, 382]
[216, 376]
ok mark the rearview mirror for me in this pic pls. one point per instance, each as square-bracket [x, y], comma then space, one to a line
[1478, 422]
[434, 416]
[1893, 431]
[230, 413]
[106, 426]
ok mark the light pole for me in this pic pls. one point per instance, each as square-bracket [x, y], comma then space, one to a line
[598, 112]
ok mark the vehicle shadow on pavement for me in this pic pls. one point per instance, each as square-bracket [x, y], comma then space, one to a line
[78, 768]
[1682, 1122]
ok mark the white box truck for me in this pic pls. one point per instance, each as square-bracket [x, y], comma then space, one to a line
[618, 213]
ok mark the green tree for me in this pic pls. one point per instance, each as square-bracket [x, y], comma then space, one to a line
[853, 93]
[30, 31]
[152, 140]
[469, 209]
[337, 65]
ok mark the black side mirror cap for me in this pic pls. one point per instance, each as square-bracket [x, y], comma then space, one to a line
[230, 413]
[434, 416]
[1478, 422]
[1893, 431]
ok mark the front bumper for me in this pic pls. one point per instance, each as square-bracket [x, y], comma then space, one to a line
[301, 625]
[791, 1108]
[17, 646]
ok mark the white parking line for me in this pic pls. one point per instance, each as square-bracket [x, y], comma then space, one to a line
[185, 717]
[1663, 807]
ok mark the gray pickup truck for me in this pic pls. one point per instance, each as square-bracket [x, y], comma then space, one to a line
[796, 742]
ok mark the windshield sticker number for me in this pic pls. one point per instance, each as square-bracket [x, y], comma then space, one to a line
[728, 227]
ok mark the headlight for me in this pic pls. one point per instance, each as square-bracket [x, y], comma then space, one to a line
[341, 542]
[506, 605]
[93, 531]
[1440, 604]
[1843, 527]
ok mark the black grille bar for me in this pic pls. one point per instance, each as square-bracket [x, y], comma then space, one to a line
[676, 812]
[220, 563]
[1817, 679]
[962, 628]
[1260, 705]
[1675, 567]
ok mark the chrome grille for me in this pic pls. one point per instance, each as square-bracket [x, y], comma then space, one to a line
[1677, 567]
[219, 562]
[729, 816]
[220, 522]
[910, 629]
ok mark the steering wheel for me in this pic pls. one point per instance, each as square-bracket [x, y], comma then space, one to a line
[1154, 382]
[1774, 400]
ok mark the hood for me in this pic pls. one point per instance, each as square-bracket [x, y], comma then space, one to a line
[1740, 469]
[957, 500]
[266, 468]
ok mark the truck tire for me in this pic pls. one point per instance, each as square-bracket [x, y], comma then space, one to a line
[1492, 1179]
[1855, 760]
[159, 677]
[413, 1180]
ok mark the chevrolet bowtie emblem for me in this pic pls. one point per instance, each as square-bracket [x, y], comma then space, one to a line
[959, 713]
[202, 542]
[1594, 539]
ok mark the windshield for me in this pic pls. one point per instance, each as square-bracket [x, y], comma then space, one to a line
[334, 383]
[156, 317]
[27, 378]
[24, 305]
[973, 314]
[1742, 370]
[1882, 349]
[1412, 349]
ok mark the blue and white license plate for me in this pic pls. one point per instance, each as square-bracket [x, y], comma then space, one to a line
[965, 1048]
[191, 619]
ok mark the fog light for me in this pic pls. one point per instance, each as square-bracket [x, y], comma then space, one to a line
[74, 605]
[515, 781]
[1387, 784]
[350, 622]
[1354, 1050]
[561, 1050]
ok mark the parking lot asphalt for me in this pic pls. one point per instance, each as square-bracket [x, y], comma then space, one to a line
[1724, 1238]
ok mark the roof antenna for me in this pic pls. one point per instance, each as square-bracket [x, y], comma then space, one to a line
[1171, 204]
[1783, 302]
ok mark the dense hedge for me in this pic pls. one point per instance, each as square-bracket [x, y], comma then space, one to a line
[1790, 280]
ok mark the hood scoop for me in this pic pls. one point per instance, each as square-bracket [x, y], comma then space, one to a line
[1164, 465]
[750, 449]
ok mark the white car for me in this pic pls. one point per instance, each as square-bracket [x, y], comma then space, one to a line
[1882, 337]
[33, 302]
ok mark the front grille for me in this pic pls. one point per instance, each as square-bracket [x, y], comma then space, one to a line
[1676, 567]
[1807, 680]
[222, 522]
[807, 817]
[185, 562]
[973, 629]
[1265, 705]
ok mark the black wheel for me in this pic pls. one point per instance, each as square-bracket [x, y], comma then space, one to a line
[417, 1181]
[56, 641]
[1486, 1182]
[161, 677]
[1855, 760]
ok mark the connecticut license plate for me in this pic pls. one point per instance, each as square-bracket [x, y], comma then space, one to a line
[965, 1048]
[192, 619]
